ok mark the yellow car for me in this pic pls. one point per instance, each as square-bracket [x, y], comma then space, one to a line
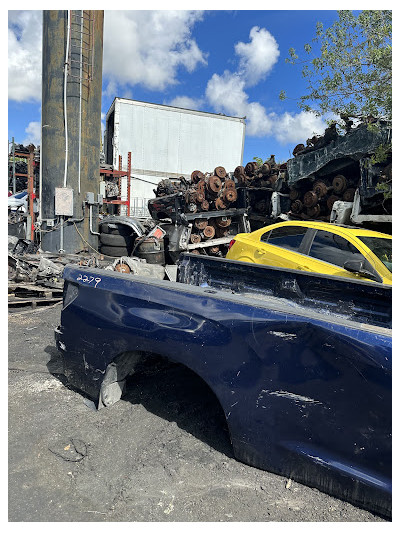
[318, 247]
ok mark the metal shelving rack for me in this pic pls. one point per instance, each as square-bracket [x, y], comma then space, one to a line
[119, 174]
[30, 184]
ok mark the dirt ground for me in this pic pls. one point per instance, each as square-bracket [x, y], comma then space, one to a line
[161, 454]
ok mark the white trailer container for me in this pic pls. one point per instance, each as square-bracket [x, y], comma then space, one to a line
[168, 142]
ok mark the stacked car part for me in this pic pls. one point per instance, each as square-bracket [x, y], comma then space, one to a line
[315, 199]
[258, 181]
[255, 174]
[204, 191]
[210, 191]
[206, 229]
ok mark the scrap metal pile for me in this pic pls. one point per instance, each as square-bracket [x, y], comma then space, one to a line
[204, 192]
[208, 229]
[342, 168]
[259, 175]
[315, 200]
[257, 181]
[220, 190]
[28, 263]
[35, 277]
[211, 204]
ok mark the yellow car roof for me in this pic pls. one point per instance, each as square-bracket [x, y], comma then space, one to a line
[334, 228]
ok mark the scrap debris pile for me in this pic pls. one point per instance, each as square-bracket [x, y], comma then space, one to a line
[333, 168]
[220, 190]
[207, 229]
[34, 276]
[210, 205]
[255, 174]
[258, 181]
[315, 200]
[204, 192]
[28, 263]
[249, 187]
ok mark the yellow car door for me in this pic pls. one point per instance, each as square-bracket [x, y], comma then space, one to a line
[329, 251]
[281, 247]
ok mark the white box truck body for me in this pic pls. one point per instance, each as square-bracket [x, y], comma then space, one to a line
[168, 142]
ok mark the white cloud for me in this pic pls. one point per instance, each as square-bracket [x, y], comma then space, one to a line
[226, 94]
[258, 56]
[140, 47]
[25, 56]
[149, 47]
[185, 102]
[103, 123]
[33, 131]
[259, 122]
[127, 93]
[111, 89]
[297, 128]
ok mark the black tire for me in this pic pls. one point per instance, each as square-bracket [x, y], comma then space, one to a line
[116, 229]
[114, 251]
[116, 240]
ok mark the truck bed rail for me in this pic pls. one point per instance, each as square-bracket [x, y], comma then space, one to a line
[360, 301]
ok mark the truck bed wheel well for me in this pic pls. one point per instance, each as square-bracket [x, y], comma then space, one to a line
[142, 368]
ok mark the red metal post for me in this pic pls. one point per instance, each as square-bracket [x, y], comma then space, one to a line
[119, 179]
[129, 185]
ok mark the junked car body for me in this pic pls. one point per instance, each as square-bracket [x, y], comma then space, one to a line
[318, 247]
[300, 363]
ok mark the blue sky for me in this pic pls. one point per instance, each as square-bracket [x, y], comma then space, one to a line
[230, 62]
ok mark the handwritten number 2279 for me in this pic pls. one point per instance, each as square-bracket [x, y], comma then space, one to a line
[88, 279]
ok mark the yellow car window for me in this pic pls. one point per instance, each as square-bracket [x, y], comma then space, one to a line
[382, 248]
[333, 249]
[288, 237]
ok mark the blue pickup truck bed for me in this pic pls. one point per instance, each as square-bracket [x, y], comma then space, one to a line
[300, 363]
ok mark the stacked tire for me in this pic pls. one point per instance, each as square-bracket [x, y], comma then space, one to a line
[116, 240]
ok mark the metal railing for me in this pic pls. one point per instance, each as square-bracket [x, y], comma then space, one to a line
[139, 207]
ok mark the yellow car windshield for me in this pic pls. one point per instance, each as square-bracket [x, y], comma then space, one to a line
[382, 248]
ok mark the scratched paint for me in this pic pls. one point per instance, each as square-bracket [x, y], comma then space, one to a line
[288, 395]
[283, 335]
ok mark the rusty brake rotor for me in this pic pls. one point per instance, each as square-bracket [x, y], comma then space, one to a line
[339, 184]
[310, 199]
[214, 184]
[229, 195]
[209, 232]
[195, 238]
[201, 223]
[220, 172]
[223, 222]
[196, 176]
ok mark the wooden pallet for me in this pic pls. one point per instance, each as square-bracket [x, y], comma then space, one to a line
[29, 294]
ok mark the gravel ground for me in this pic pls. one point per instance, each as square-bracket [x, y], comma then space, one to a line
[161, 454]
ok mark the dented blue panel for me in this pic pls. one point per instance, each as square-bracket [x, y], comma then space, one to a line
[306, 395]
